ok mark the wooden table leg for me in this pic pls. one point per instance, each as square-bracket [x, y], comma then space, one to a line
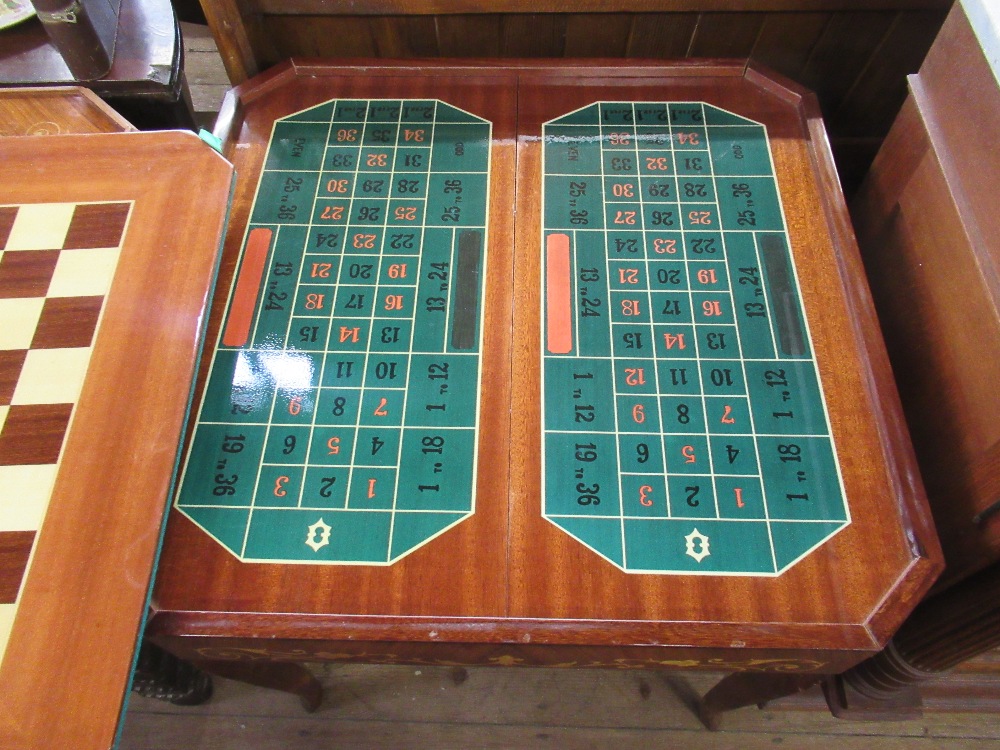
[942, 632]
[749, 688]
[161, 675]
[285, 676]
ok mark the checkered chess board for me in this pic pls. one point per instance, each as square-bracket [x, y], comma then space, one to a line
[57, 261]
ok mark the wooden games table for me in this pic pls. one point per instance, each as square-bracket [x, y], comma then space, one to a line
[55, 110]
[102, 305]
[540, 363]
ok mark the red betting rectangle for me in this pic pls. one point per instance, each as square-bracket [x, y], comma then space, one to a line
[558, 306]
[244, 300]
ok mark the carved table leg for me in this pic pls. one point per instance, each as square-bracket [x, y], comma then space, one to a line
[941, 633]
[163, 676]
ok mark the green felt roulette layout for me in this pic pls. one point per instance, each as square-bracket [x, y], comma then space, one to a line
[341, 414]
[340, 417]
[685, 429]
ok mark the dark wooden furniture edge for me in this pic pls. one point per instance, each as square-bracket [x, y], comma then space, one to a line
[398, 650]
[458, 7]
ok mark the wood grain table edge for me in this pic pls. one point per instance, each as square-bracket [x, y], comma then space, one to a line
[435, 631]
[910, 498]
[62, 99]
[476, 653]
[87, 592]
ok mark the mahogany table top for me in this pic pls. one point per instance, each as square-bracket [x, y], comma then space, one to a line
[544, 539]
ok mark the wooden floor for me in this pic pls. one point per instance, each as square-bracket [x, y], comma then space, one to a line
[388, 707]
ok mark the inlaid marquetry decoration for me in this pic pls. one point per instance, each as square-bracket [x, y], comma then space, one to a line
[57, 261]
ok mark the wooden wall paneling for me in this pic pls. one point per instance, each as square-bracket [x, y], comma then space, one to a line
[533, 35]
[405, 36]
[786, 40]
[876, 96]
[725, 34]
[321, 36]
[597, 35]
[469, 35]
[238, 36]
[839, 57]
[661, 35]
[842, 53]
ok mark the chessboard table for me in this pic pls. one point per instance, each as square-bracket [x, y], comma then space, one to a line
[102, 305]
[540, 363]
[54, 110]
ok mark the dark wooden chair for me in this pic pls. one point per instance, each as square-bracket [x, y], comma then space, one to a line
[927, 227]
[146, 82]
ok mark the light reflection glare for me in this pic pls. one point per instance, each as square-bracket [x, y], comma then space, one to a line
[290, 370]
[243, 374]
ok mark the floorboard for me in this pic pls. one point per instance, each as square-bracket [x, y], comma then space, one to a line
[439, 707]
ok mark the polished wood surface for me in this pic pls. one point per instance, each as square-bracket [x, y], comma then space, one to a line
[56, 110]
[854, 54]
[847, 343]
[927, 226]
[67, 664]
[506, 587]
[364, 590]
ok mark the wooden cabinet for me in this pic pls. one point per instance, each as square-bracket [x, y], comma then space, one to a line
[146, 81]
[929, 231]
